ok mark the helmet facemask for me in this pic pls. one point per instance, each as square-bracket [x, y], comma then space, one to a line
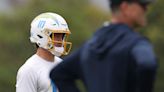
[57, 43]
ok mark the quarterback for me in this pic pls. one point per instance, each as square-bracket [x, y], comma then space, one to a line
[49, 32]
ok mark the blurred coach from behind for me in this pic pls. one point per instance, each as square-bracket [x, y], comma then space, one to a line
[116, 59]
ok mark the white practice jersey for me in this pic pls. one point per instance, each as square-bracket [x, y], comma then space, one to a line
[33, 76]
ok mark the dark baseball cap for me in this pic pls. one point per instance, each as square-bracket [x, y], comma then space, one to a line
[118, 2]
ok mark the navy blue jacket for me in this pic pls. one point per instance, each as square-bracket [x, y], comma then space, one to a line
[115, 59]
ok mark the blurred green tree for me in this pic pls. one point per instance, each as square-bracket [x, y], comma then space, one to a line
[155, 32]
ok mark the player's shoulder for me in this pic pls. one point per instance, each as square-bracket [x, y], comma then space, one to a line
[57, 59]
[26, 69]
[28, 66]
[26, 73]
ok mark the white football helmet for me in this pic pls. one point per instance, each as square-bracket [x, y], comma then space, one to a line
[42, 29]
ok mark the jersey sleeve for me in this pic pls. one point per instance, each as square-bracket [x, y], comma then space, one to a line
[146, 66]
[26, 80]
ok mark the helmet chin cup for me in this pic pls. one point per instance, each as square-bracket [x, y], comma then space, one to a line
[57, 51]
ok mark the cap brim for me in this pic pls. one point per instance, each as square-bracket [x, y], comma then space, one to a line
[146, 1]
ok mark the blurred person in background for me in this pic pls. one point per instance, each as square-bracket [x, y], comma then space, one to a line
[116, 59]
[49, 31]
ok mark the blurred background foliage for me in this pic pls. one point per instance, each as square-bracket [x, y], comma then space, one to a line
[83, 19]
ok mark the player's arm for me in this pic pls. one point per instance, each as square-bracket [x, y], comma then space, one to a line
[146, 66]
[65, 74]
[26, 81]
